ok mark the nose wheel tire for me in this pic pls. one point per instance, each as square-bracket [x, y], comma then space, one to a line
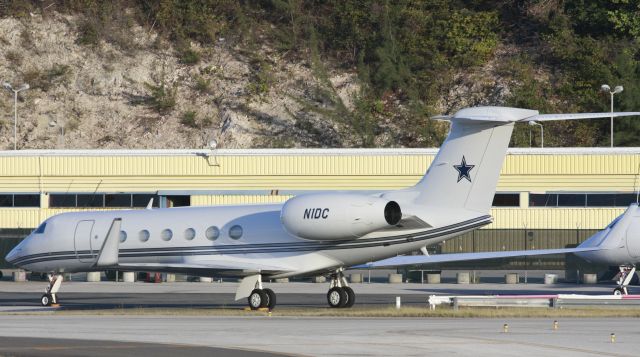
[46, 300]
[619, 291]
[337, 297]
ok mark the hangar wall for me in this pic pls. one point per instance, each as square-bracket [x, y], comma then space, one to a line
[546, 192]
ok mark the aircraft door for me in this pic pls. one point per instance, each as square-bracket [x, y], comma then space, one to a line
[82, 241]
[633, 238]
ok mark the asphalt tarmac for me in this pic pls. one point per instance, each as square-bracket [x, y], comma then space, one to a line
[93, 334]
[319, 336]
[107, 295]
[50, 347]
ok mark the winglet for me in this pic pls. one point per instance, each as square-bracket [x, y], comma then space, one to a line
[108, 255]
[150, 204]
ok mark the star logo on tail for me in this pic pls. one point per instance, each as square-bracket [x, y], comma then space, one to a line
[463, 170]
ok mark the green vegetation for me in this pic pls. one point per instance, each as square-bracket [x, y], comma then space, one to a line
[189, 56]
[162, 98]
[45, 79]
[189, 119]
[409, 53]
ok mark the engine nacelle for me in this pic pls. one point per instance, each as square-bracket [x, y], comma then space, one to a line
[331, 216]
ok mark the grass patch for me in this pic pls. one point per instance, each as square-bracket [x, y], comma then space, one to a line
[364, 312]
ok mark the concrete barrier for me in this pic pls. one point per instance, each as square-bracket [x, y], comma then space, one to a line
[590, 278]
[282, 280]
[463, 278]
[550, 279]
[434, 278]
[169, 278]
[19, 276]
[93, 276]
[128, 277]
[319, 279]
[395, 278]
[355, 278]
[205, 279]
[511, 278]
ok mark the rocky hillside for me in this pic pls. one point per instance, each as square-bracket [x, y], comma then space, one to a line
[136, 84]
[107, 97]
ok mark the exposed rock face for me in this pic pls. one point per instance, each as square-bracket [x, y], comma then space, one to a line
[144, 96]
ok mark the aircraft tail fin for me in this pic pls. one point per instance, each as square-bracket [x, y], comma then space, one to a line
[464, 173]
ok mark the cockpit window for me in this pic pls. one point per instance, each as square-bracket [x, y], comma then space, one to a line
[41, 228]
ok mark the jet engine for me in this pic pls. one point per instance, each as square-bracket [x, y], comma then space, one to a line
[333, 216]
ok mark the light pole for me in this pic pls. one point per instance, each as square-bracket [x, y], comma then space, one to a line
[605, 88]
[532, 123]
[8, 87]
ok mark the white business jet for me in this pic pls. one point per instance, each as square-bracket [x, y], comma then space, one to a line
[616, 245]
[310, 234]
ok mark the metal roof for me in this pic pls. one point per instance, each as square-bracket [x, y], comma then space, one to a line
[309, 152]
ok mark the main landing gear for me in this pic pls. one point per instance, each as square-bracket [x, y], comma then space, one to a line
[340, 294]
[50, 296]
[262, 298]
[626, 274]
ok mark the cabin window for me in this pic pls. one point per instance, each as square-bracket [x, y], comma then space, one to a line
[166, 235]
[144, 235]
[235, 232]
[123, 236]
[189, 234]
[212, 233]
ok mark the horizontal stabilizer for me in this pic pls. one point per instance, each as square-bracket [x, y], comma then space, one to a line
[458, 257]
[510, 115]
[550, 117]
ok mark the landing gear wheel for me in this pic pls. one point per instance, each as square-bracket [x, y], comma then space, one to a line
[351, 297]
[258, 299]
[46, 299]
[337, 297]
[619, 291]
[271, 299]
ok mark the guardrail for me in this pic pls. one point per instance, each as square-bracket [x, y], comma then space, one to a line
[551, 301]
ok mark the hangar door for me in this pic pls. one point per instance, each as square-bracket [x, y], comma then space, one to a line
[82, 241]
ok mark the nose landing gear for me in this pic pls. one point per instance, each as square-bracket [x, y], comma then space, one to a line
[50, 296]
[340, 294]
[626, 274]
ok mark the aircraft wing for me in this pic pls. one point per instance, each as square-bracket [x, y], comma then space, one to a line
[459, 257]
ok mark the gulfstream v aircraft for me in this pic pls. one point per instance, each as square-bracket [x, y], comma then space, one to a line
[310, 234]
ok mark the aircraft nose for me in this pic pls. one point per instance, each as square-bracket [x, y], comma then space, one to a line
[13, 255]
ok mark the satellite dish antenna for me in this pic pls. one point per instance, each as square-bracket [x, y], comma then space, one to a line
[213, 144]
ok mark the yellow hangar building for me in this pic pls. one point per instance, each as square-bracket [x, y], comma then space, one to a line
[546, 198]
